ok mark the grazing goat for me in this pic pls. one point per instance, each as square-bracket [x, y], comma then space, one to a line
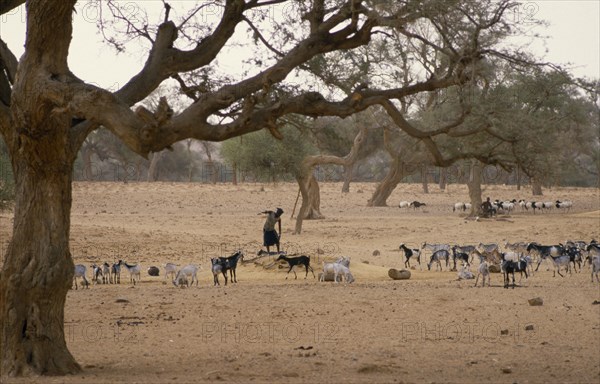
[404, 204]
[293, 261]
[80, 271]
[170, 269]
[410, 252]
[461, 207]
[487, 248]
[484, 271]
[438, 256]
[181, 278]
[116, 273]
[218, 266]
[595, 268]
[230, 264]
[416, 204]
[134, 270]
[337, 269]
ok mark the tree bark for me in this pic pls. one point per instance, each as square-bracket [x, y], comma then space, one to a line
[388, 184]
[424, 180]
[38, 269]
[311, 201]
[443, 178]
[348, 171]
[153, 168]
[474, 186]
[536, 186]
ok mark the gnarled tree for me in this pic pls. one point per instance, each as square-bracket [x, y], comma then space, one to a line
[46, 113]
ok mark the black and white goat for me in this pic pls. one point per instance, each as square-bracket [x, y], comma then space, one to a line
[458, 255]
[294, 261]
[410, 252]
[565, 205]
[80, 272]
[544, 251]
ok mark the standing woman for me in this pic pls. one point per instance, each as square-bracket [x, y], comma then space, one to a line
[270, 235]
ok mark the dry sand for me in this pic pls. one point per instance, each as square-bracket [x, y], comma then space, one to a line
[431, 328]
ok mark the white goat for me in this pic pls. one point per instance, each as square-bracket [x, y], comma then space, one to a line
[80, 271]
[181, 278]
[170, 269]
[337, 269]
[483, 270]
[404, 204]
[134, 270]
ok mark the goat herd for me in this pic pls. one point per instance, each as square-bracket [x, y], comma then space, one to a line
[507, 206]
[517, 257]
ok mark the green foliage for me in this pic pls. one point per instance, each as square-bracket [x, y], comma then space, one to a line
[262, 156]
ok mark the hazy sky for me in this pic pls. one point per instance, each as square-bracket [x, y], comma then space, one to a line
[573, 37]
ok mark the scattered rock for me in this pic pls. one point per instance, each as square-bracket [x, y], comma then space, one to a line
[529, 327]
[504, 332]
[507, 370]
[153, 271]
[396, 274]
[365, 261]
[536, 301]
[376, 253]
[494, 268]
[121, 301]
[596, 302]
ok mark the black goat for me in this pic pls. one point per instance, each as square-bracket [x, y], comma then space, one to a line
[230, 264]
[415, 204]
[219, 266]
[410, 252]
[300, 260]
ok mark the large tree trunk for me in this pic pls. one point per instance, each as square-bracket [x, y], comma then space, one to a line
[388, 184]
[38, 269]
[153, 167]
[424, 180]
[311, 201]
[536, 186]
[348, 171]
[443, 178]
[474, 186]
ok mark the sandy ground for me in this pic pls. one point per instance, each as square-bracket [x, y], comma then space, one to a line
[431, 328]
